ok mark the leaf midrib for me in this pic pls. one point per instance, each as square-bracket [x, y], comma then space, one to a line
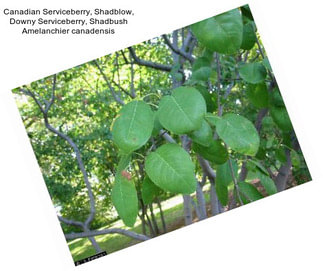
[132, 119]
[182, 110]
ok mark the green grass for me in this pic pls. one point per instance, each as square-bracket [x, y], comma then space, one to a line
[173, 213]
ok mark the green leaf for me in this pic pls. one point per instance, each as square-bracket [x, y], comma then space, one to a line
[249, 36]
[124, 162]
[133, 127]
[170, 168]
[248, 192]
[222, 33]
[201, 62]
[124, 198]
[149, 191]
[261, 154]
[212, 119]
[266, 63]
[210, 102]
[281, 118]
[296, 161]
[216, 152]
[268, 184]
[222, 193]
[157, 125]
[281, 155]
[223, 173]
[202, 74]
[258, 95]
[203, 136]
[245, 10]
[183, 111]
[276, 98]
[238, 133]
[253, 73]
[259, 166]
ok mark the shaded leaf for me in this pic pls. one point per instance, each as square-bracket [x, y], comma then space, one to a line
[212, 119]
[203, 136]
[210, 102]
[216, 152]
[281, 118]
[222, 193]
[258, 95]
[249, 36]
[296, 161]
[253, 72]
[157, 125]
[223, 173]
[268, 184]
[201, 62]
[149, 191]
[248, 192]
[201, 74]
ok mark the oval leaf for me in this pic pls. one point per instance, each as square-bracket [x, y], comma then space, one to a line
[222, 193]
[222, 33]
[253, 73]
[212, 119]
[209, 100]
[133, 127]
[249, 36]
[203, 136]
[238, 133]
[281, 118]
[248, 192]
[124, 198]
[201, 74]
[258, 95]
[170, 167]
[157, 125]
[149, 191]
[183, 111]
[223, 173]
[216, 152]
[201, 62]
[276, 98]
[267, 183]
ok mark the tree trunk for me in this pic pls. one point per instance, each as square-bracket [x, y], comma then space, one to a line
[200, 201]
[153, 218]
[142, 217]
[216, 207]
[162, 216]
[188, 218]
[151, 229]
[283, 173]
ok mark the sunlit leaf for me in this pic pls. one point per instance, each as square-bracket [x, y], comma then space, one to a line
[171, 168]
[133, 127]
[238, 133]
[124, 198]
[183, 111]
[222, 33]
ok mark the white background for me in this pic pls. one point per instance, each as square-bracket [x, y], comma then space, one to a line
[282, 232]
